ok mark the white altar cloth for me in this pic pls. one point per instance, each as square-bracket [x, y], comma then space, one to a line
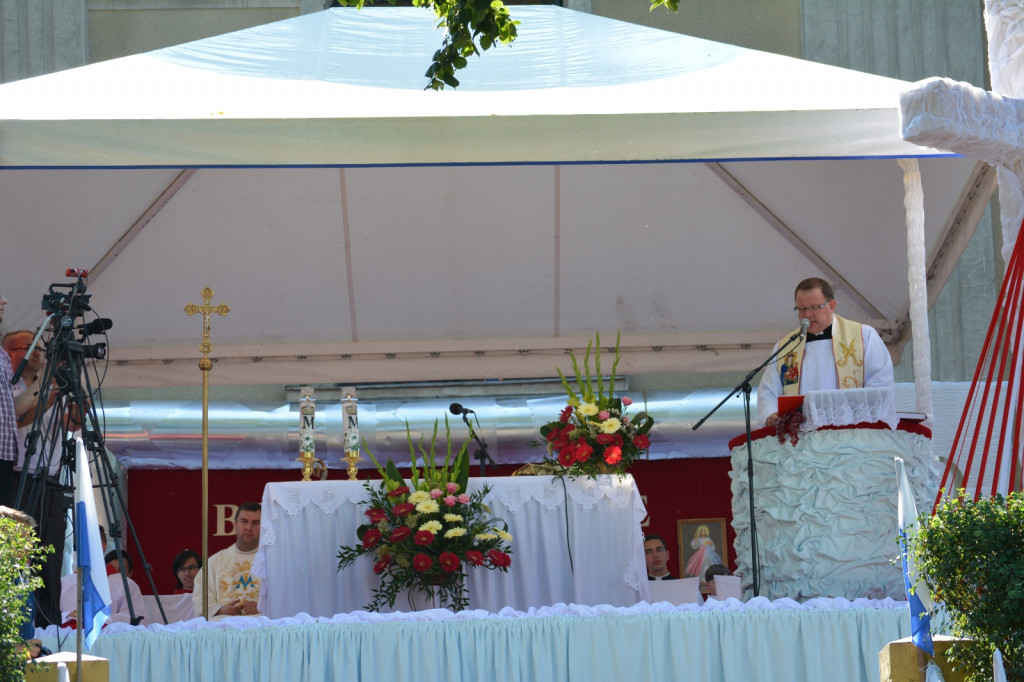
[759, 641]
[303, 523]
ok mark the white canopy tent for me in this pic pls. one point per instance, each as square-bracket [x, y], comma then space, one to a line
[595, 175]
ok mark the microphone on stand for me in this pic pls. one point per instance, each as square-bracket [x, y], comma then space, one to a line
[802, 334]
[481, 454]
[97, 326]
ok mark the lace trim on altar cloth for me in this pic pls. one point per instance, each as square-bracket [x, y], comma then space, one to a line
[853, 406]
[511, 492]
[558, 610]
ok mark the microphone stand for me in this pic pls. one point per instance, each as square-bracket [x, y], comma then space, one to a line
[481, 454]
[744, 386]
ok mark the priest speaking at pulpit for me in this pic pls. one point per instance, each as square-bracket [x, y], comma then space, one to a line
[833, 353]
[818, 481]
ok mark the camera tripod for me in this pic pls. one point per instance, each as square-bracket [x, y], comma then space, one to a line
[68, 401]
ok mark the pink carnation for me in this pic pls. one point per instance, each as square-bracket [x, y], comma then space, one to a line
[603, 414]
[452, 487]
[436, 493]
[450, 500]
[463, 498]
[627, 401]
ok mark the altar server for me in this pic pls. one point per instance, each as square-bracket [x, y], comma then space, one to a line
[232, 589]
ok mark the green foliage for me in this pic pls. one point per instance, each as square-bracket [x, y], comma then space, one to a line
[469, 27]
[19, 548]
[971, 556]
[671, 5]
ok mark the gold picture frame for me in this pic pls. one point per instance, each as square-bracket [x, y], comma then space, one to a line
[705, 537]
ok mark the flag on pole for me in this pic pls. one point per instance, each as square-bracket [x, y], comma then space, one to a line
[89, 553]
[917, 592]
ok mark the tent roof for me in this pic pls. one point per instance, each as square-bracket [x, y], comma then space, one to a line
[595, 175]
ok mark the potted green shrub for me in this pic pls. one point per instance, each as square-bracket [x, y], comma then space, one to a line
[971, 556]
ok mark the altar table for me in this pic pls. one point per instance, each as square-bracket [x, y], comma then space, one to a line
[575, 541]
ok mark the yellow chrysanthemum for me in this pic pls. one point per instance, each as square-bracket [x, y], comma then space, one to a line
[428, 507]
[507, 537]
[432, 526]
[419, 496]
[587, 409]
[453, 518]
[610, 425]
[485, 536]
[455, 532]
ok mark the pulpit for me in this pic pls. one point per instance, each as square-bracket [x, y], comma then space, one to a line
[825, 507]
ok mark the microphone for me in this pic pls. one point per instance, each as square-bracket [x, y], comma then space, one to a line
[97, 326]
[455, 408]
[801, 333]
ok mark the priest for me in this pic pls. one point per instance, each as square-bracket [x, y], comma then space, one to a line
[836, 353]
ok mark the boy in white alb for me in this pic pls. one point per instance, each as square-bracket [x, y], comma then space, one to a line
[232, 590]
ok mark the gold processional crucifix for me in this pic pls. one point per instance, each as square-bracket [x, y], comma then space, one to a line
[206, 365]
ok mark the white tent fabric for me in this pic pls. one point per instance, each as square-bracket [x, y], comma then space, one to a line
[595, 175]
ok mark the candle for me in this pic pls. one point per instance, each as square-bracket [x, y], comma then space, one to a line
[351, 412]
[307, 421]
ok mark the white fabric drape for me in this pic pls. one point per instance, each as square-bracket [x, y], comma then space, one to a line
[761, 641]
[1004, 24]
[597, 520]
[826, 511]
[917, 279]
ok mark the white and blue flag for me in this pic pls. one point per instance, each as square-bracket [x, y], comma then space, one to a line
[91, 567]
[917, 592]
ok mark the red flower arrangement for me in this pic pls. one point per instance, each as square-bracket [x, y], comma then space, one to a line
[593, 434]
[424, 535]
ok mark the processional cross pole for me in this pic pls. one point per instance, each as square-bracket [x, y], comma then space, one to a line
[206, 364]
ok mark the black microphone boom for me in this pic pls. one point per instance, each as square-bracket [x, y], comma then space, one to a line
[455, 408]
[97, 326]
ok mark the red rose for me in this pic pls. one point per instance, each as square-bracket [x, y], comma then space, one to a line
[400, 490]
[422, 563]
[612, 454]
[376, 515]
[423, 537]
[379, 567]
[499, 559]
[403, 509]
[566, 413]
[449, 561]
[399, 534]
[642, 442]
[475, 557]
[371, 538]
